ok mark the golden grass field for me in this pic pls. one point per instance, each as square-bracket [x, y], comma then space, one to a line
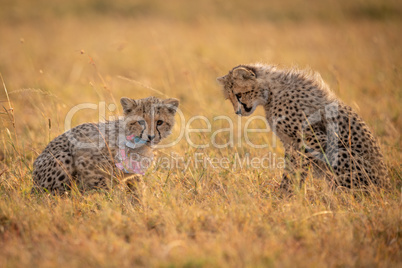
[56, 55]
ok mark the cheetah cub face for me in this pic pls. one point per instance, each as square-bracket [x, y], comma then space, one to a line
[240, 86]
[150, 119]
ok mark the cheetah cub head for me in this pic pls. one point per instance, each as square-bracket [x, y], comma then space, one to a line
[241, 87]
[150, 119]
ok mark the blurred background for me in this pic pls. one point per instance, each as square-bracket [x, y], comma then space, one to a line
[55, 55]
[58, 54]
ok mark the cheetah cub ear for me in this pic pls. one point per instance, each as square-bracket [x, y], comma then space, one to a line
[243, 73]
[128, 104]
[221, 80]
[171, 105]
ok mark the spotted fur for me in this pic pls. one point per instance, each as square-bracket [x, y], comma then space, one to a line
[86, 153]
[319, 132]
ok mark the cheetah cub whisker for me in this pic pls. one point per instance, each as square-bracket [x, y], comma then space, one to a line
[318, 131]
[92, 154]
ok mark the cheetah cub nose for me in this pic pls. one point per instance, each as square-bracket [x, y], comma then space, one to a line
[150, 138]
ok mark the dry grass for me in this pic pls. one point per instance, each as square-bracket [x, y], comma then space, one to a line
[57, 55]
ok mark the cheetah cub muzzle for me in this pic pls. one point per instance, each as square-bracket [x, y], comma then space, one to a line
[91, 155]
[319, 132]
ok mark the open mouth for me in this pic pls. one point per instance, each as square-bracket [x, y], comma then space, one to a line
[247, 109]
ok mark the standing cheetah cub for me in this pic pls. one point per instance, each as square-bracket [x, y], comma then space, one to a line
[90, 154]
[319, 132]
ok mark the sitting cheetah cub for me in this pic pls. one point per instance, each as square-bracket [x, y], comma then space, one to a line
[319, 132]
[90, 154]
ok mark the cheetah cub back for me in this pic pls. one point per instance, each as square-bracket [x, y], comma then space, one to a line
[91, 154]
[319, 132]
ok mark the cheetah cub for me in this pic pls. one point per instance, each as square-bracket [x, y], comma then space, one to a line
[90, 154]
[319, 132]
